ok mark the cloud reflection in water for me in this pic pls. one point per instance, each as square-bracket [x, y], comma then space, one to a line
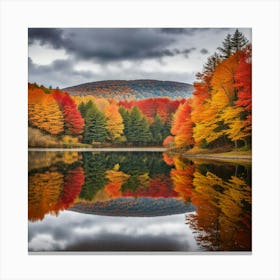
[82, 232]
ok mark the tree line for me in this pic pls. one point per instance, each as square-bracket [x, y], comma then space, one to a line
[96, 121]
[219, 113]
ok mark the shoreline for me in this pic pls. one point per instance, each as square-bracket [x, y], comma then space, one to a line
[226, 156]
[124, 149]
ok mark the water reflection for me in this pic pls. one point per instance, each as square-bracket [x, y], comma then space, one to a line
[81, 232]
[215, 199]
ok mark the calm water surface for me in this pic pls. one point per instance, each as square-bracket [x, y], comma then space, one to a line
[136, 201]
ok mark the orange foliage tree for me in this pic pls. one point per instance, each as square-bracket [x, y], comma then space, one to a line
[182, 126]
[221, 107]
[44, 112]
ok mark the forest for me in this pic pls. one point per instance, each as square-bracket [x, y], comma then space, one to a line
[219, 113]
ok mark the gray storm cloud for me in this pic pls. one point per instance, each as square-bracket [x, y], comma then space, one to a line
[94, 54]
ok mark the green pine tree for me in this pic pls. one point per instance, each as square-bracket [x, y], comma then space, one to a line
[126, 116]
[211, 64]
[95, 126]
[157, 128]
[226, 50]
[138, 130]
[82, 109]
[238, 41]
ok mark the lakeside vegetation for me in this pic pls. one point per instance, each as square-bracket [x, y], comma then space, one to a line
[218, 117]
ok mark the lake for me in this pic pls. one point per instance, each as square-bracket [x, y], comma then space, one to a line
[136, 202]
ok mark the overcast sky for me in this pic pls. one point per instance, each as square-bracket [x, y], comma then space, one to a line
[66, 56]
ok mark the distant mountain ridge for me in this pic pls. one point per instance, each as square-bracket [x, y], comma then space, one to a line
[132, 89]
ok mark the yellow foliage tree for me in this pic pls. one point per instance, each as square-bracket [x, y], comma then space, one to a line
[44, 112]
[210, 124]
[114, 122]
[237, 128]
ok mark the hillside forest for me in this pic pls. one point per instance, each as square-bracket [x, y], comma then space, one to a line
[219, 113]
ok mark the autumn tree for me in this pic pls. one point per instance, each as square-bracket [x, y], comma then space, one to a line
[201, 100]
[44, 112]
[211, 127]
[150, 107]
[114, 121]
[215, 113]
[243, 84]
[182, 126]
[73, 121]
[238, 117]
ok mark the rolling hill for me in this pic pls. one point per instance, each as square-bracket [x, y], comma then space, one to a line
[133, 89]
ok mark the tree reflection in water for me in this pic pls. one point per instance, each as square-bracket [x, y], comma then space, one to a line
[220, 192]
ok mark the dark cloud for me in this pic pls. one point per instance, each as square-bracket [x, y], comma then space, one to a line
[169, 52]
[46, 36]
[119, 53]
[180, 31]
[177, 31]
[109, 44]
[186, 52]
[204, 51]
